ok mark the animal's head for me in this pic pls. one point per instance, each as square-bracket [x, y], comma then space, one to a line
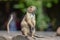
[31, 9]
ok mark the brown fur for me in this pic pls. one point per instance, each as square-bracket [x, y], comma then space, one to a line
[28, 25]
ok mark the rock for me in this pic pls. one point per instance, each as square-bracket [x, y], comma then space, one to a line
[2, 38]
[19, 37]
[30, 38]
[58, 31]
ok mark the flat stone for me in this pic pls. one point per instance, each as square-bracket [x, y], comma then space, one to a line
[17, 36]
[2, 38]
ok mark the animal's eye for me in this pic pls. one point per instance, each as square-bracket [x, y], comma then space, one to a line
[30, 7]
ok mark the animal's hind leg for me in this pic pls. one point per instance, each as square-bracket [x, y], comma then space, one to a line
[25, 29]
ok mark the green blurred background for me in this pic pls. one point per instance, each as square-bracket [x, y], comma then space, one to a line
[46, 14]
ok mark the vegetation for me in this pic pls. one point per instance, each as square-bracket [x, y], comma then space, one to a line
[42, 20]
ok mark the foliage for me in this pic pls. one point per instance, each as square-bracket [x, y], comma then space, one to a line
[48, 3]
[42, 20]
